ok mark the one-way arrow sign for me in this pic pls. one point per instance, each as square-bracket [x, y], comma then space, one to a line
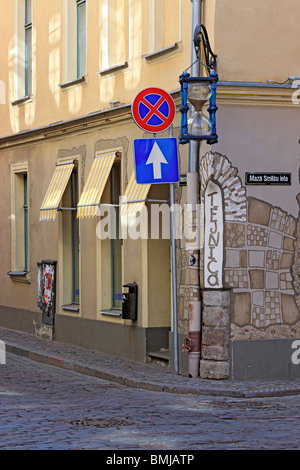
[156, 160]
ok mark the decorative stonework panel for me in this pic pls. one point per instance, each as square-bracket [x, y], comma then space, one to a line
[261, 254]
[217, 167]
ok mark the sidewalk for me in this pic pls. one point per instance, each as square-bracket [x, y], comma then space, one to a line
[133, 374]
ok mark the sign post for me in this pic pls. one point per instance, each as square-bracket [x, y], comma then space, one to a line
[174, 271]
[156, 161]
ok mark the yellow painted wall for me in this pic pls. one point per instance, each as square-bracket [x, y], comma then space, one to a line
[256, 40]
[50, 102]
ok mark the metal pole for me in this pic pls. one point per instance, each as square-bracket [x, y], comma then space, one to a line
[195, 72]
[174, 270]
[192, 193]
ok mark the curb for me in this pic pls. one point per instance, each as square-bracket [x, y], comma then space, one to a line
[151, 385]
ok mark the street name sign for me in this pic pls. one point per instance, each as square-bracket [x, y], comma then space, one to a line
[156, 160]
[281, 179]
[153, 110]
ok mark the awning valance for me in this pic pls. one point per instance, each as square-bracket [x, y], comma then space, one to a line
[56, 190]
[94, 186]
[134, 198]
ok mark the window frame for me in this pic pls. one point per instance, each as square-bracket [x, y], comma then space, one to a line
[68, 303]
[81, 21]
[28, 47]
[105, 305]
[20, 259]
[116, 304]
[74, 69]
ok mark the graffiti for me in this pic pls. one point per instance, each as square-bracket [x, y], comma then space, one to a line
[48, 283]
[46, 279]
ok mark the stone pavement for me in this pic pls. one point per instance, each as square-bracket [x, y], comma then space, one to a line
[134, 374]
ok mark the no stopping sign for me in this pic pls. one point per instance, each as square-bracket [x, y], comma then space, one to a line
[153, 110]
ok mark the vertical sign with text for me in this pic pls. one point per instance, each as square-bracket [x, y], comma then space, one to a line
[213, 244]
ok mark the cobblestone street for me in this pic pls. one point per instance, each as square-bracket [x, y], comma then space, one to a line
[44, 407]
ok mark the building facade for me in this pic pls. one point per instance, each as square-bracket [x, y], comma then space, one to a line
[70, 70]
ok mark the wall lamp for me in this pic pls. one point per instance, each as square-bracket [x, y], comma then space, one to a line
[196, 91]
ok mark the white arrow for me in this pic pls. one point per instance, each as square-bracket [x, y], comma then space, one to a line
[156, 157]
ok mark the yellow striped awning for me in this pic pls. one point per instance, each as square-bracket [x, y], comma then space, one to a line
[55, 191]
[136, 195]
[94, 186]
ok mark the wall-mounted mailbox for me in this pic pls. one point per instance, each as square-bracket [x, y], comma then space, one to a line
[129, 302]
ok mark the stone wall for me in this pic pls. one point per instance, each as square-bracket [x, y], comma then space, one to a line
[261, 265]
[216, 313]
[261, 257]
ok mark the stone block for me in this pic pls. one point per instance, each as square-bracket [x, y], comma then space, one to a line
[214, 369]
[232, 258]
[258, 211]
[44, 331]
[216, 316]
[215, 353]
[244, 259]
[290, 312]
[194, 277]
[256, 278]
[234, 235]
[218, 298]
[212, 336]
[242, 308]
[288, 244]
[275, 240]
[272, 280]
[286, 260]
[256, 259]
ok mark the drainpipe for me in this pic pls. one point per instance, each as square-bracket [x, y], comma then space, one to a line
[192, 343]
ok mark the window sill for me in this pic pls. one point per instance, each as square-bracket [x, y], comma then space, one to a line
[20, 276]
[163, 54]
[73, 83]
[71, 307]
[21, 101]
[112, 312]
[113, 70]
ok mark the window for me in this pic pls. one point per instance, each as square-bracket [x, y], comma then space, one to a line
[61, 198]
[75, 40]
[28, 47]
[19, 220]
[109, 245]
[23, 57]
[75, 240]
[164, 28]
[70, 241]
[156, 25]
[115, 246]
[115, 35]
[81, 38]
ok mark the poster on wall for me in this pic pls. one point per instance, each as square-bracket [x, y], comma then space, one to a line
[46, 284]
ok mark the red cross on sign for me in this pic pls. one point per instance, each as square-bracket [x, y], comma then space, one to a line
[153, 110]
